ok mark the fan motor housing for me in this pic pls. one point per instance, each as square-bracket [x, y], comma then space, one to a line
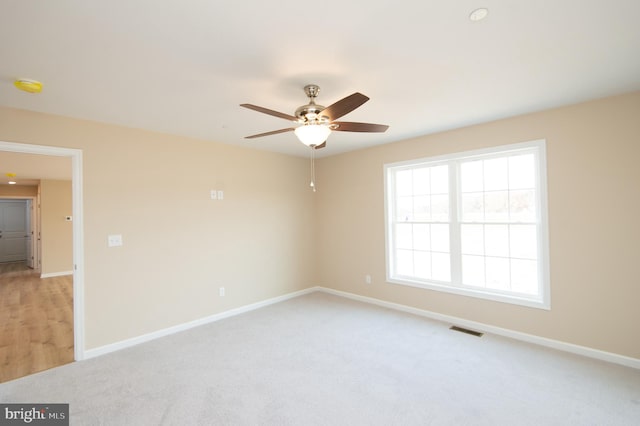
[310, 112]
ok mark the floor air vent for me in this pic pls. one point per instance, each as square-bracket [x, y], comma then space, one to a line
[466, 330]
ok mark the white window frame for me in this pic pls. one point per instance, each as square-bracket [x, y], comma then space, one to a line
[538, 148]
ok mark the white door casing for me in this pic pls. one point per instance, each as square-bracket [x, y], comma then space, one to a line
[78, 235]
[30, 231]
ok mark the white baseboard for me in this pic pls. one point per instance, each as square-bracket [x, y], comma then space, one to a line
[530, 338]
[56, 274]
[102, 350]
[542, 341]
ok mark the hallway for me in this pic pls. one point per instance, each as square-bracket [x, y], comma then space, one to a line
[36, 321]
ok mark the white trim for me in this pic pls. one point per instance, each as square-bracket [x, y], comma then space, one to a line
[544, 222]
[56, 274]
[542, 341]
[78, 230]
[123, 344]
[478, 293]
[464, 155]
[78, 254]
[455, 285]
[530, 338]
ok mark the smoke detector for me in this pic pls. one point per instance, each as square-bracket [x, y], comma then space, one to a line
[28, 85]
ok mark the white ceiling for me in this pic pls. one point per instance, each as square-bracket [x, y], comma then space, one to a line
[183, 67]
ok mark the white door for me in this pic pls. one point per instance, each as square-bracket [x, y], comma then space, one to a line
[14, 230]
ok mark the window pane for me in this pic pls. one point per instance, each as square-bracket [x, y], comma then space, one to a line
[524, 241]
[524, 276]
[421, 181]
[440, 208]
[404, 184]
[422, 264]
[440, 267]
[440, 180]
[497, 273]
[496, 240]
[421, 208]
[496, 174]
[440, 238]
[404, 262]
[473, 270]
[471, 176]
[421, 237]
[472, 239]
[496, 206]
[404, 236]
[489, 200]
[473, 207]
[404, 209]
[522, 206]
[522, 172]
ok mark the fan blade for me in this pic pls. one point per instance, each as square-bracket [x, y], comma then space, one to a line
[275, 132]
[344, 106]
[349, 126]
[270, 112]
[322, 145]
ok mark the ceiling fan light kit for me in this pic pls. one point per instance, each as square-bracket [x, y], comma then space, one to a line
[312, 134]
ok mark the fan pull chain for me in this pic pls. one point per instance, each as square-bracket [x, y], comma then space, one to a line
[313, 169]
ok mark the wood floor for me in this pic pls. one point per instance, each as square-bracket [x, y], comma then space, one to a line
[36, 321]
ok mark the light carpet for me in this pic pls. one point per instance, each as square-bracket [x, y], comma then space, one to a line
[323, 360]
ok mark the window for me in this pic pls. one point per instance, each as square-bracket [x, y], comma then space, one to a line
[471, 223]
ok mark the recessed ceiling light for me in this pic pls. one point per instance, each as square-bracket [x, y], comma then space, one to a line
[479, 14]
[28, 85]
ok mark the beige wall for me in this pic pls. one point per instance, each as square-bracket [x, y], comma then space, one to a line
[179, 245]
[271, 235]
[593, 151]
[56, 234]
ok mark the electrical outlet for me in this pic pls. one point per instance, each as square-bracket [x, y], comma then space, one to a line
[367, 279]
[221, 291]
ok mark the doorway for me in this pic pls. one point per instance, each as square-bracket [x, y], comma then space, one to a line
[41, 151]
[15, 231]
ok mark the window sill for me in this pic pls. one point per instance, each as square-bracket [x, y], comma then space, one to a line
[475, 293]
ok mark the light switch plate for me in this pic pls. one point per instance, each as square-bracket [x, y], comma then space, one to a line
[114, 240]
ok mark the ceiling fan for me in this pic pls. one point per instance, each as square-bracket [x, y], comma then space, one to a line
[317, 122]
